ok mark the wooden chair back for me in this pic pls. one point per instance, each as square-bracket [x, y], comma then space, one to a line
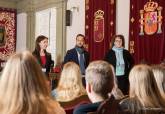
[69, 106]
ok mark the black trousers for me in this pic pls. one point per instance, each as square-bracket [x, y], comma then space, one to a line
[123, 84]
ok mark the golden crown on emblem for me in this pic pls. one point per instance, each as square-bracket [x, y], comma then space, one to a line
[150, 6]
[99, 14]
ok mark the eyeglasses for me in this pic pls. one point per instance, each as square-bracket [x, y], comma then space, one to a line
[118, 40]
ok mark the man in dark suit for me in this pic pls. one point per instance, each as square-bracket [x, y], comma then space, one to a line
[78, 54]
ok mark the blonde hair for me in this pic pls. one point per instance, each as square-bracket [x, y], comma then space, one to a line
[99, 74]
[159, 74]
[23, 88]
[70, 84]
[143, 87]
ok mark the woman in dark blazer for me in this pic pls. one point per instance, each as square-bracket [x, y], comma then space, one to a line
[121, 60]
[43, 57]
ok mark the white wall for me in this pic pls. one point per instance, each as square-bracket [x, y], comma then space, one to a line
[21, 32]
[78, 21]
[122, 19]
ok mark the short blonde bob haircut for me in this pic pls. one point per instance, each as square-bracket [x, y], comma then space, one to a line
[70, 84]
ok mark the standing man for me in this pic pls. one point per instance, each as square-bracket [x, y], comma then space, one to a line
[78, 54]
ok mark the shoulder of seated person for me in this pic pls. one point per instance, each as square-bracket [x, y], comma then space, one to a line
[127, 99]
[127, 102]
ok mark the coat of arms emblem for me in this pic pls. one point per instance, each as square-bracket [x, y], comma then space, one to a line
[99, 26]
[150, 18]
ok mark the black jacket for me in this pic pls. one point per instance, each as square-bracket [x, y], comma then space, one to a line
[49, 61]
[128, 59]
[72, 55]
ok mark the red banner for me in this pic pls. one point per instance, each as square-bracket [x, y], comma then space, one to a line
[147, 31]
[100, 25]
[7, 33]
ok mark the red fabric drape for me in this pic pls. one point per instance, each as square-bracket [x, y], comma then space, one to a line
[8, 33]
[147, 30]
[100, 25]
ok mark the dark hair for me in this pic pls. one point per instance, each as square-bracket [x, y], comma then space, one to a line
[38, 40]
[119, 36]
[80, 35]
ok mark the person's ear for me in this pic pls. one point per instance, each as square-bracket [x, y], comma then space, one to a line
[88, 87]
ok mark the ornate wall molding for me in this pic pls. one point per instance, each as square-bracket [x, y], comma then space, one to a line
[36, 5]
[6, 4]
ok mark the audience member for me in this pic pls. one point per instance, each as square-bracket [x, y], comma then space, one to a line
[100, 82]
[159, 74]
[143, 92]
[70, 83]
[121, 60]
[23, 89]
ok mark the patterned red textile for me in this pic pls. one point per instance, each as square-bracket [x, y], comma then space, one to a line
[100, 22]
[7, 33]
[147, 31]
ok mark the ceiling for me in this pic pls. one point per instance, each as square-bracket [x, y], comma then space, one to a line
[13, 0]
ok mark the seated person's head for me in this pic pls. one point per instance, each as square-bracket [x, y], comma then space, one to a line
[99, 79]
[143, 86]
[22, 71]
[159, 74]
[70, 74]
[70, 84]
[23, 87]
